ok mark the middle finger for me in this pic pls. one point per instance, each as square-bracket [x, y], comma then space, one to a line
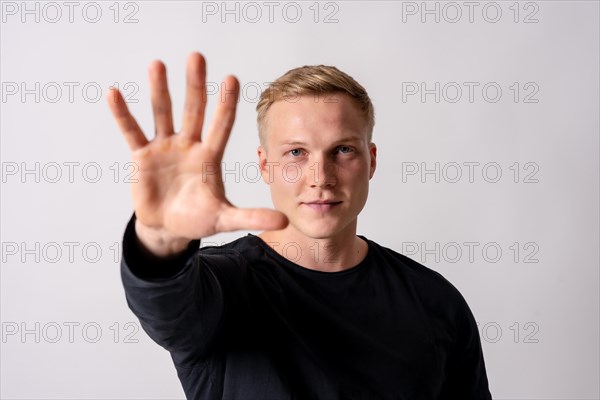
[161, 100]
[195, 97]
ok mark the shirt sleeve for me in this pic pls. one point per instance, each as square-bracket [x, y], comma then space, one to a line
[466, 376]
[178, 303]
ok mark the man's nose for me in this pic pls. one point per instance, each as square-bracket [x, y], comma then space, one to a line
[322, 173]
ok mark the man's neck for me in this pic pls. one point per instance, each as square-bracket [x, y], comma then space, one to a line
[332, 254]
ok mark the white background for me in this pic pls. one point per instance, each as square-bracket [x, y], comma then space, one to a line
[66, 330]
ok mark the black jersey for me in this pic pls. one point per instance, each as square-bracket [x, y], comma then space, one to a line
[243, 322]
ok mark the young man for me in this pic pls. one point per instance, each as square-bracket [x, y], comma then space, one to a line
[346, 319]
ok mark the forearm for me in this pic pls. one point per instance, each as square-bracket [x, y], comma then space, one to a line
[175, 300]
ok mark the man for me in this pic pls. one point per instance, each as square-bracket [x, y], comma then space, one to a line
[340, 318]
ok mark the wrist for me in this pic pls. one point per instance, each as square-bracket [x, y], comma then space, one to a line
[159, 242]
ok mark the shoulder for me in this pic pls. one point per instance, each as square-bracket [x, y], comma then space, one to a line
[429, 284]
[435, 296]
[407, 265]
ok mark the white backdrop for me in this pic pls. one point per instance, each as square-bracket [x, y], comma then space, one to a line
[487, 127]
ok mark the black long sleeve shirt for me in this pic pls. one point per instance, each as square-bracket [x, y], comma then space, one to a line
[243, 322]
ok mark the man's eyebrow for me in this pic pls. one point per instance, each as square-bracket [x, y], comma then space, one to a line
[350, 139]
[342, 140]
[293, 143]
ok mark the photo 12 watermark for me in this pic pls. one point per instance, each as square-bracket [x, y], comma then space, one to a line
[453, 12]
[64, 92]
[70, 332]
[471, 252]
[70, 12]
[469, 172]
[470, 92]
[72, 172]
[52, 252]
[252, 12]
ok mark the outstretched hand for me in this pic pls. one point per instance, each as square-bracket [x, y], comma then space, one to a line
[179, 193]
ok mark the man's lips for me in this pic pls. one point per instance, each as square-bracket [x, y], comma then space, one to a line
[322, 205]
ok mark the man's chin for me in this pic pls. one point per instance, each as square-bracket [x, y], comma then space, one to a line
[318, 230]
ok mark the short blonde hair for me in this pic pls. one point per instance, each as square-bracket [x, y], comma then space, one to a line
[313, 80]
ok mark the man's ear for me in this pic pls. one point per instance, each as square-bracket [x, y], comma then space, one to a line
[373, 154]
[262, 163]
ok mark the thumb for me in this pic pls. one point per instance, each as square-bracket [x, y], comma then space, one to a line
[233, 219]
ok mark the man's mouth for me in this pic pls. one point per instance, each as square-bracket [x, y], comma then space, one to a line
[322, 205]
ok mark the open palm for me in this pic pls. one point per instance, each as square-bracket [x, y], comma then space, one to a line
[179, 190]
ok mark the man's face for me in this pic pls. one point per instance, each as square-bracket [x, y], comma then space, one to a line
[318, 162]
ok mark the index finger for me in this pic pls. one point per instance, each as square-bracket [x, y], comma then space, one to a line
[224, 115]
[127, 124]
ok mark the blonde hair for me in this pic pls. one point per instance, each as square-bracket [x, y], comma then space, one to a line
[314, 80]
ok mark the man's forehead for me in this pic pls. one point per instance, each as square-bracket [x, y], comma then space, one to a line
[314, 99]
[340, 109]
[310, 118]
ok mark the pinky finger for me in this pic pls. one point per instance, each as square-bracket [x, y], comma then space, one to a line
[127, 124]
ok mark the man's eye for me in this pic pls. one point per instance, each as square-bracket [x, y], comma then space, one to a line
[296, 152]
[345, 149]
